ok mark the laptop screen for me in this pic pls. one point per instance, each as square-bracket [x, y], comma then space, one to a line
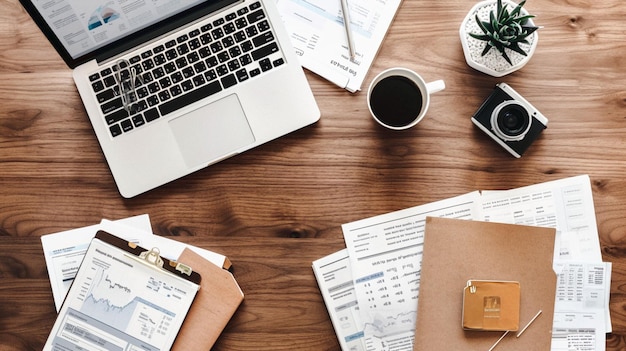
[81, 30]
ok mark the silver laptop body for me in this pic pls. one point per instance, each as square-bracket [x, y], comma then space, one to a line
[194, 83]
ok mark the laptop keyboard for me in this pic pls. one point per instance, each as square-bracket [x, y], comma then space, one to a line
[208, 59]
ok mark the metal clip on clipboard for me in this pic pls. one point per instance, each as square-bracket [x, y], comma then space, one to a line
[153, 257]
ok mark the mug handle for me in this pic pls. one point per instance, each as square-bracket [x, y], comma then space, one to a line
[435, 86]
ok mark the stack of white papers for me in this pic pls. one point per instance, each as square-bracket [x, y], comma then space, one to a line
[371, 287]
[64, 251]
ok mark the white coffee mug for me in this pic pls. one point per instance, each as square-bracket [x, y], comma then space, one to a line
[398, 98]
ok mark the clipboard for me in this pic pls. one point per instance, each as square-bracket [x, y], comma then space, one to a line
[456, 251]
[124, 297]
[218, 299]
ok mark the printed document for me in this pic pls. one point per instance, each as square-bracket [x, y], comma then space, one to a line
[64, 251]
[385, 255]
[319, 37]
[565, 204]
[582, 299]
[334, 277]
[121, 302]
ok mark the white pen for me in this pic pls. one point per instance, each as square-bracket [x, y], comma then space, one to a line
[346, 24]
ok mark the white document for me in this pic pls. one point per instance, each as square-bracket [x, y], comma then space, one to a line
[64, 252]
[319, 37]
[121, 302]
[334, 278]
[565, 204]
[385, 254]
[582, 299]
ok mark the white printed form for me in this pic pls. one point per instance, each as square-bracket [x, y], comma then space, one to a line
[565, 204]
[121, 302]
[385, 254]
[334, 277]
[582, 297]
[581, 316]
[319, 38]
[64, 252]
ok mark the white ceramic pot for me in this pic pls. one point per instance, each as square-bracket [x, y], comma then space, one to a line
[492, 63]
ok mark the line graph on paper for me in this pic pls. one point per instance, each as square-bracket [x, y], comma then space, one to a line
[389, 306]
[386, 325]
[390, 332]
[117, 301]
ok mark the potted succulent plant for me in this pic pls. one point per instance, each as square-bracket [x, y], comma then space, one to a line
[498, 37]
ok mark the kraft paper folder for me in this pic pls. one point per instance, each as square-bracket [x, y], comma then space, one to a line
[456, 251]
[216, 302]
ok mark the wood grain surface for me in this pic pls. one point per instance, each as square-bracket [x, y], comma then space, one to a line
[275, 209]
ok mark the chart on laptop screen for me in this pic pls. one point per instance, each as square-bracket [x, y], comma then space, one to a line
[83, 26]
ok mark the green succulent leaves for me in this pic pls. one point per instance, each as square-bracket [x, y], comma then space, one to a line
[505, 30]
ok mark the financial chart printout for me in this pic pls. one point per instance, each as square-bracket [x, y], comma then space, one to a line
[120, 302]
[385, 259]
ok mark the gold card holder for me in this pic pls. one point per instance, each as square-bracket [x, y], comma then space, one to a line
[491, 305]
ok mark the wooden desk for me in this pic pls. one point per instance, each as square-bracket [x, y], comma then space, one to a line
[277, 208]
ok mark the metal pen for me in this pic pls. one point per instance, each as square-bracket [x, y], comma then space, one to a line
[346, 24]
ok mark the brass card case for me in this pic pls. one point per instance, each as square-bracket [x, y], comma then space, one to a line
[491, 305]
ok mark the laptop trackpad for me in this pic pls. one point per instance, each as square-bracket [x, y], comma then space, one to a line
[212, 132]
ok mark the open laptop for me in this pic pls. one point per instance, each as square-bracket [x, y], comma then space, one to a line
[172, 86]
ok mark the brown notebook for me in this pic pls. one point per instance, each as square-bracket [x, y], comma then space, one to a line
[456, 251]
[216, 302]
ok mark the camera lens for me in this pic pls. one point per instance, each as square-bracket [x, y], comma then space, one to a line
[510, 121]
[513, 120]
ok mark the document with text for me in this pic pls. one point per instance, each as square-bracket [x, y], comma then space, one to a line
[334, 277]
[582, 299]
[565, 204]
[121, 300]
[377, 306]
[319, 37]
[64, 252]
[385, 255]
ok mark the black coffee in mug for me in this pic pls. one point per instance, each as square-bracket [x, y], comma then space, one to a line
[396, 101]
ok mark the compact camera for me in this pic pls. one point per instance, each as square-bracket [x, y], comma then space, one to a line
[510, 120]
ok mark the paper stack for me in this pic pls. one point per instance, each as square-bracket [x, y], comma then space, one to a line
[218, 297]
[371, 288]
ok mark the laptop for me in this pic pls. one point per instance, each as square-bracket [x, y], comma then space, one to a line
[173, 86]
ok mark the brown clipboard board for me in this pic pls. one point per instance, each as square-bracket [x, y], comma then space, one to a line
[215, 304]
[457, 250]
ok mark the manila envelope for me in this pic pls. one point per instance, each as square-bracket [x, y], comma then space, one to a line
[456, 251]
[216, 302]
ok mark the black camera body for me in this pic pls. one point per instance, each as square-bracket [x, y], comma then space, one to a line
[510, 120]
